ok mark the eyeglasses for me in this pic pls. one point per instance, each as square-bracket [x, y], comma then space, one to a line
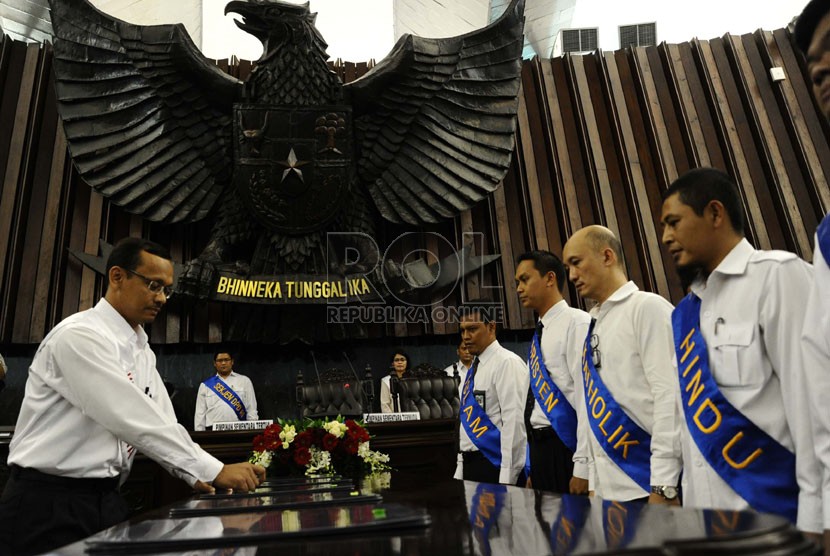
[596, 356]
[154, 286]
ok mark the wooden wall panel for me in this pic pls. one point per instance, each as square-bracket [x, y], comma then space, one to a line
[599, 139]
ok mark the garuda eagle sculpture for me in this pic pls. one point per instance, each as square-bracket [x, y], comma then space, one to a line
[291, 153]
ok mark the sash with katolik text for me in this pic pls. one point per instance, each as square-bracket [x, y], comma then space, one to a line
[621, 438]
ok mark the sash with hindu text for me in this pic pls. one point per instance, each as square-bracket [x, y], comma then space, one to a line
[478, 426]
[748, 459]
[621, 438]
[559, 412]
[227, 395]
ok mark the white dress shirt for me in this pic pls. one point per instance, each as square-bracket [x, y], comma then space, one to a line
[502, 376]
[563, 336]
[211, 409]
[94, 397]
[636, 349]
[462, 371]
[751, 315]
[816, 348]
[386, 403]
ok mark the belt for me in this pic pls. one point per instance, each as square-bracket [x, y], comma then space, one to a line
[29, 474]
[542, 433]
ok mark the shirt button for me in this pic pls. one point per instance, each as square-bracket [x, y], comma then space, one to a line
[707, 313]
[698, 463]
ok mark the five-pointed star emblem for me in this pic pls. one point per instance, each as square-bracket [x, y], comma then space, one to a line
[292, 165]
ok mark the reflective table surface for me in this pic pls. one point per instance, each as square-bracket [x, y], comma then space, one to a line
[420, 516]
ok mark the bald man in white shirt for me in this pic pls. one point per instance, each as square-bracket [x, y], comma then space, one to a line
[93, 399]
[628, 376]
[747, 433]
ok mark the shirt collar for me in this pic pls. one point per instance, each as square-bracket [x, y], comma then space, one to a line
[120, 325]
[624, 291]
[489, 352]
[551, 314]
[233, 373]
[734, 263]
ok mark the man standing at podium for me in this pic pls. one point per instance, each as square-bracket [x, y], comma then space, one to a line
[492, 437]
[226, 396]
[93, 399]
[555, 415]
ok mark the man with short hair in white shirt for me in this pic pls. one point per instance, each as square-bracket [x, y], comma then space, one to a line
[555, 416]
[465, 359]
[492, 437]
[226, 396]
[812, 35]
[93, 399]
[628, 376]
[746, 435]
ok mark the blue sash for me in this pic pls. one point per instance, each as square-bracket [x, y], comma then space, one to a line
[559, 412]
[619, 522]
[623, 440]
[564, 532]
[757, 467]
[484, 511]
[227, 395]
[823, 238]
[478, 426]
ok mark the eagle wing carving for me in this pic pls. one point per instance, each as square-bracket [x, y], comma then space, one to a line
[146, 115]
[435, 120]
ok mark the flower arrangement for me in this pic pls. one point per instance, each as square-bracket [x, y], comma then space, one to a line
[318, 447]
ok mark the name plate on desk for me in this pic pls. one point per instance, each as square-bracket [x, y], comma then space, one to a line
[242, 425]
[391, 417]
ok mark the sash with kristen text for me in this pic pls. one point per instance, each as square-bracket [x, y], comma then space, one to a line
[227, 395]
[753, 463]
[823, 238]
[564, 532]
[478, 426]
[559, 412]
[623, 440]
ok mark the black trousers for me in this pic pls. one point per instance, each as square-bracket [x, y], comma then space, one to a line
[478, 468]
[40, 512]
[551, 462]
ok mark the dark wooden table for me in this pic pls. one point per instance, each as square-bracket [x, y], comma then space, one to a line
[471, 518]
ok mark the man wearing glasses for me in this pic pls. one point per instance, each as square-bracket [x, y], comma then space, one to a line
[629, 378]
[226, 396]
[93, 399]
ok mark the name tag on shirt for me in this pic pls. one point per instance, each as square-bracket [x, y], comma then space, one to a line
[242, 425]
[481, 398]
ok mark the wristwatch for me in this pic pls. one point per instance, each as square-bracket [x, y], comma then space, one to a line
[667, 492]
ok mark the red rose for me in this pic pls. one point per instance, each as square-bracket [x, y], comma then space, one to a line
[351, 445]
[273, 430]
[304, 440]
[272, 443]
[302, 456]
[319, 433]
[329, 442]
[259, 443]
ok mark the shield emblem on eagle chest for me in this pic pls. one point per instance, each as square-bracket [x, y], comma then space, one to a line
[293, 165]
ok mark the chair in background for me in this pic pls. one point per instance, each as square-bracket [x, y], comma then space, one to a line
[429, 391]
[337, 392]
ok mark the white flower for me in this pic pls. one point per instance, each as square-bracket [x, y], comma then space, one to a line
[262, 458]
[287, 435]
[320, 462]
[336, 428]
